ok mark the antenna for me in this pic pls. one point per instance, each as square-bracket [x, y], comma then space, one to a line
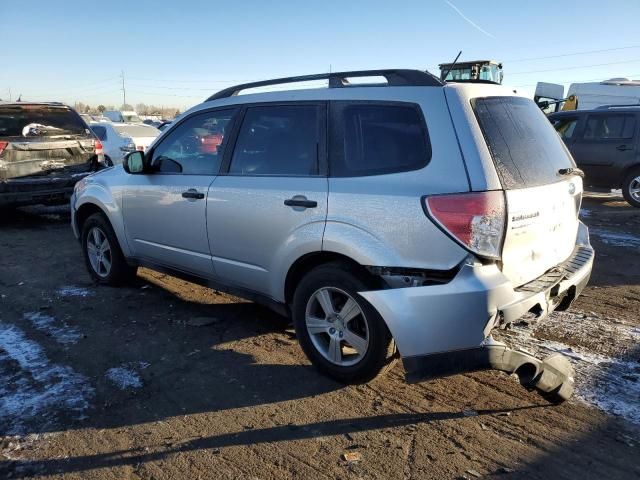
[444, 77]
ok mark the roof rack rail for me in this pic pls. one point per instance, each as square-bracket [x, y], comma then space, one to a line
[395, 78]
[626, 105]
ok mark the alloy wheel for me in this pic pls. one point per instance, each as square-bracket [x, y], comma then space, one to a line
[337, 326]
[99, 252]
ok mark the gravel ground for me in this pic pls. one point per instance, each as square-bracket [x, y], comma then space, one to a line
[165, 379]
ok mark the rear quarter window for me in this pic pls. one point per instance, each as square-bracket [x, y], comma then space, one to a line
[525, 147]
[376, 138]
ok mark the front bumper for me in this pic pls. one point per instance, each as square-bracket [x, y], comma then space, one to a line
[436, 326]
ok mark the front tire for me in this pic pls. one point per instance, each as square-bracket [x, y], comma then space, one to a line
[339, 331]
[102, 254]
[631, 188]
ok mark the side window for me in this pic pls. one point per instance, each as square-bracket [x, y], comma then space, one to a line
[565, 127]
[377, 138]
[278, 140]
[100, 132]
[603, 127]
[196, 146]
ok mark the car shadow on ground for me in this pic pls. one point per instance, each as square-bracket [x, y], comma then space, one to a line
[280, 433]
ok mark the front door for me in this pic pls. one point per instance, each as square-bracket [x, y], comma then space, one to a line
[605, 147]
[270, 205]
[165, 210]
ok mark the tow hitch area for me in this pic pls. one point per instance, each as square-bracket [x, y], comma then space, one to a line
[553, 377]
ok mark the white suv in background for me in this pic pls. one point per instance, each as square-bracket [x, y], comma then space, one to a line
[409, 217]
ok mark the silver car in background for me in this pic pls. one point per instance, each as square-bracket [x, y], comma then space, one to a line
[118, 139]
[406, 218]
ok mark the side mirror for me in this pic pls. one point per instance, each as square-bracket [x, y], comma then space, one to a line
[134, 163]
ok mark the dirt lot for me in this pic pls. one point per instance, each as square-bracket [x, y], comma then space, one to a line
[104, 383]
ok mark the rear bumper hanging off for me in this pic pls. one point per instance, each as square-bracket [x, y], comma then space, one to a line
[445, 329]
[553, 376]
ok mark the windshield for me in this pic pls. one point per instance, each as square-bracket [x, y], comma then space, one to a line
[137, 130]
[131, 118]
[525, 147]
[39, 120]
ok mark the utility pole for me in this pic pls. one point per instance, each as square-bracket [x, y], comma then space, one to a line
[124, 92]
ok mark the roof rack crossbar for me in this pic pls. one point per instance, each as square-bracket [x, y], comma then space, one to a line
[612, 105]
[395, 78]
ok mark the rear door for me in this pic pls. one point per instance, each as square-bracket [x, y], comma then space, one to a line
[39, 139]
[270, 205]
[165, 210]
[542, 204]
[606, 147]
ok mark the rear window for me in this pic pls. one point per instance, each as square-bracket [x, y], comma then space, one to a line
[605, 127]
[525, 147]
[39, 120]
[137, 130]
[377, 138]
[100, 132]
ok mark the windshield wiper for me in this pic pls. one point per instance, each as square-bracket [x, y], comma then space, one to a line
[571, 171]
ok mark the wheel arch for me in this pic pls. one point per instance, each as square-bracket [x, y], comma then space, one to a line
[627, 171]
[309, 261]
[97, 199]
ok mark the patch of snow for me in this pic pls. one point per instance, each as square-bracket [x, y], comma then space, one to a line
[611, 384]
[124, 377]
[71, 291]
[63, 334]
[616, 239]
[32, 388]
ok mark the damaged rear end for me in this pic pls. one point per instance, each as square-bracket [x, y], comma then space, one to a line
[528, 252]
[44, 150]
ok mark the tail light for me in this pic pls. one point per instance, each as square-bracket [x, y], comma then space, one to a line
[475, 220]
[99, 149]
[3, 145]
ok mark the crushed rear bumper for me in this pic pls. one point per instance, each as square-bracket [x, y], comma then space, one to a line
[33, 190]
[445, 329]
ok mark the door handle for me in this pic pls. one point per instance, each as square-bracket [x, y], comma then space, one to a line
[300, 201]
[193, 193]
[622, 148]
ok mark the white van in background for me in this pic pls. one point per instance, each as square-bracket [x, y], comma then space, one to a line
[616, 91]
[591, 95]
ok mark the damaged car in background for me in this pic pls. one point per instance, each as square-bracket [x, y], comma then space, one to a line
[45, 148]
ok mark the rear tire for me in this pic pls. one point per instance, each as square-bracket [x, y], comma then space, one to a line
[631, 188]
[350, 342]
[102, 254]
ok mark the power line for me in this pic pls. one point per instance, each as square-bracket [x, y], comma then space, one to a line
[571, 54]
[242, 80]
[576, 67]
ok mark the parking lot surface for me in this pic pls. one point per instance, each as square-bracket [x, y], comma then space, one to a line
[164, 379]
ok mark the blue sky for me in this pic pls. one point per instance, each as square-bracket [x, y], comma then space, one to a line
[178, 52]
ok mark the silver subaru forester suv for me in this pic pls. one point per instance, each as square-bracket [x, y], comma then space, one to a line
[408, 218]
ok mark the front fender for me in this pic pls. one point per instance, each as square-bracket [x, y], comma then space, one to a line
[94, 192]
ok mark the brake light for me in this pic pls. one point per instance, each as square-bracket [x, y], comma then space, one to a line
[99, 149]
[475, 220]
[3, 145]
